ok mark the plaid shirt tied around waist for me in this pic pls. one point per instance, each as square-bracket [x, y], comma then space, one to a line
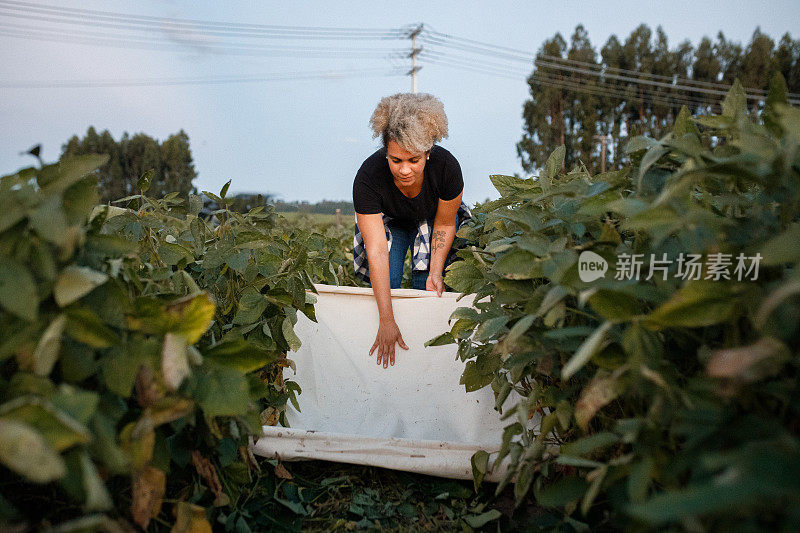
[421, 252]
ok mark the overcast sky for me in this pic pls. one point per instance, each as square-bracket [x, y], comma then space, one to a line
[304, 139]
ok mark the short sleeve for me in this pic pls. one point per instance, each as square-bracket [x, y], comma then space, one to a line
[453, 182]
[366, 199]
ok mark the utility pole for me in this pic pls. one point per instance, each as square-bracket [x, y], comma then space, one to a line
[413, 55]
[603, 140]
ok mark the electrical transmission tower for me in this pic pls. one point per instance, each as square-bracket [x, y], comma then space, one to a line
[413, 55]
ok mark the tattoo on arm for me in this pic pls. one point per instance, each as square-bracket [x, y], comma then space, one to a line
[438, 241]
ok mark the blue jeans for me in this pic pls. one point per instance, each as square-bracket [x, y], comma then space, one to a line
[402, 240]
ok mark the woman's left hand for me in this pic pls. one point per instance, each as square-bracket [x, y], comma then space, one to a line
[435, 282]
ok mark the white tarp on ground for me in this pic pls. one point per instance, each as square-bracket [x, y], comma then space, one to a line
[412, 416]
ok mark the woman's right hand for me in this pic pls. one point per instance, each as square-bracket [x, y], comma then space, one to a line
[388, 335]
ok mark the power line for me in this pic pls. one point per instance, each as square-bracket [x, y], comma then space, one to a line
[486, 67]
[621, 94]
[134, 22]
[608, 75]
[112, 40]
[288, 76]
[643, 74]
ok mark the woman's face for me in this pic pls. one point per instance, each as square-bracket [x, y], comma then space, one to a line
[406, 166]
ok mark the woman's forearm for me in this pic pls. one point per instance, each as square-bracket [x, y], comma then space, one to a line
[441, 241]
[379, 277]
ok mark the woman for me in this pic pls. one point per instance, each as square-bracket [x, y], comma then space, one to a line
[407, 193]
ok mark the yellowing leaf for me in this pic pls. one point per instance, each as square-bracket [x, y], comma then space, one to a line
[148, 489]
[74, 282]
[46, 353]
[189, 316]
[58, 429]
[194, 314]
[25, 451]
[597, 394]
[190, 519]
[138, 446]
[174, 361]
[750, 363]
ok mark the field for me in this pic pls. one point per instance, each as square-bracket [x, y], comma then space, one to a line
[650, 315]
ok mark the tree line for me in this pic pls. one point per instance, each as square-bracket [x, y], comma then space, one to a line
[132, 156]
[637, 86]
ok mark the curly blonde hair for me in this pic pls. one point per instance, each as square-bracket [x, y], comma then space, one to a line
[414, 121]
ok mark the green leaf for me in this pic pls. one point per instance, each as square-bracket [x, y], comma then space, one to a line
[490, 328]
[639, 143]
[73, 170]
[614, 305]
[783, 248]
[221, 391]
[172, 254]
[639, 479]
[18, 290]
[441, 340]
[464, 277]
[109, 246]
[562, 492]
[480, 462]
[588, 444]
[24, 450]
[525, 477]
[735, 101]
[588, 349]
[120, 366]
[508, 185]
[85, 326]
[251, 304]
[224, 190]
[473, 378]
[684, 124]
[555, 162]
[143, 183]
[696, 500]
[480, 520]
[288, 333]
[78, 403]
[594, 489]
[239, 354]
[517, 264]
[49, 220]
[74, 282]
[195, 204]
[696, 304]
[80, 199]
[97, 495]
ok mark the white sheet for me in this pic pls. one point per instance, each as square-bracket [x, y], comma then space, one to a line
[412, 416]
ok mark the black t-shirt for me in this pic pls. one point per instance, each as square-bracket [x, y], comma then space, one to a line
[374, 190]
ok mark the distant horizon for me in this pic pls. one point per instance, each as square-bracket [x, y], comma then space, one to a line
[279, 129]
